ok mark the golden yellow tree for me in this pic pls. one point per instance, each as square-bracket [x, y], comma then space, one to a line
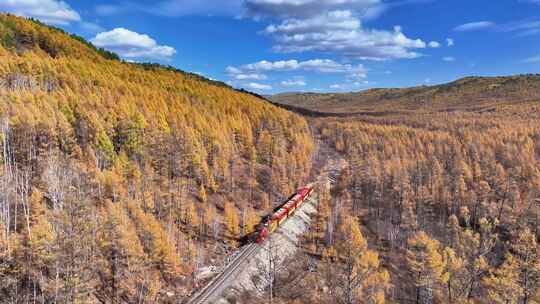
[360, 276]
[232, 220]
[502, 285]
[426, 265]
[526, 253]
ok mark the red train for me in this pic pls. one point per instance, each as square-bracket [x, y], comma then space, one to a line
[283, 212]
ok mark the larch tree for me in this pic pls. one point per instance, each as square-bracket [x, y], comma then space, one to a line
[526, 256]
[456, 279]
[231, 220]
[360, 275]
[502, 285]
[426, 265]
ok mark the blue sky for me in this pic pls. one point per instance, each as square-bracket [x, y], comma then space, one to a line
[271, 46]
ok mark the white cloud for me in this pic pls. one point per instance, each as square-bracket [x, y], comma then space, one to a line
[314, 65]
[130, 44]
[532, 60]
[232, 70]
[362, 83]
[449, 59]
[434, 44]
[341, 32]
[333, 26]
[449, 42]
[335, 21]
[49, 11]
[293, 83]
[284, 65]
[475, 26]
[522, 28]
[351, 86]
[258, 86]
[253, 76]
[90, 27]
[305, 8]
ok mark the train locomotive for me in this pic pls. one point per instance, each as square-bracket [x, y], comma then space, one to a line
[281, 214]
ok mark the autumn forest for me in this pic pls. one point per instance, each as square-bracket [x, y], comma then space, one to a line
[119, 181]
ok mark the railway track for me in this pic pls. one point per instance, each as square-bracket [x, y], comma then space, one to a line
[216, 286]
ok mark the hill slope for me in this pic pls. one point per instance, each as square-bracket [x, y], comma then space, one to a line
[115, 178]
[466, 93]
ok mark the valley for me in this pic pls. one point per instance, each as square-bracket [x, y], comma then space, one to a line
[131, 182]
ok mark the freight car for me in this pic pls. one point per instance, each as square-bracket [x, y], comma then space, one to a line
[272, 222]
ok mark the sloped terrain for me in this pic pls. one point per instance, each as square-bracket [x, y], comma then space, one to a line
[471, 93]
[444, 181]
[118, 180]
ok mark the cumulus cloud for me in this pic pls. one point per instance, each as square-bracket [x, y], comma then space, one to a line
[332, 21]
[313, 65]
[293, 83]
[250, 76]
[238, 74]
[334, 26]
[341, 32]
[475, 26]
[434, 44]
[258, 86]
[49, 11]
[449, 41]
[449, 59]
[305, 8]
[129, 44]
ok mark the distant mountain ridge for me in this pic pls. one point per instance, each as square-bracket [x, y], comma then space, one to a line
[463, 94]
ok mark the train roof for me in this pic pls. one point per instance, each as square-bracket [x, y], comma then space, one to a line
[289, 204]
[279, 214]
[303, 191]
[296, 197]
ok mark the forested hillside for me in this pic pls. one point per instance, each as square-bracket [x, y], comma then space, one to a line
[448, 201]
[462, 94]
[118, 180]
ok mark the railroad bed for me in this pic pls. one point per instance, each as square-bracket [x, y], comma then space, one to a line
[216, 286]
[236, 276]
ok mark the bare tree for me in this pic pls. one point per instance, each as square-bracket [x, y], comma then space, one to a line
[279, 275]
[6, 181]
